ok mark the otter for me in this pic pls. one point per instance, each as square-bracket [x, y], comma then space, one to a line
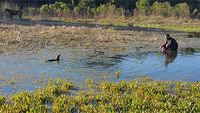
[52, 60]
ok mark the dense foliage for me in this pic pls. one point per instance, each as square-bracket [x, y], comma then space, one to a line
[134, 96]
[89, 9]
[112, 8]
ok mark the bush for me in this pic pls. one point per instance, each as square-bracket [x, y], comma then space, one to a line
[76, 11]
[82, 10]
[107, 11]
[58, 9]
[31, 11]
[161, 9]
[100, 11]
[181, 10]
[44, 10]
[142, 6]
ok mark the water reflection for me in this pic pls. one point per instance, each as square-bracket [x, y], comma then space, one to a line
[170, 56]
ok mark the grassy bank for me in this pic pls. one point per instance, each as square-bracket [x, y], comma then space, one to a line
[142, 95]
[169, 24]
[172, 27]
[174, 24]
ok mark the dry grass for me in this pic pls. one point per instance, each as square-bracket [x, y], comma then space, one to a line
[15, 37]
[28, 37]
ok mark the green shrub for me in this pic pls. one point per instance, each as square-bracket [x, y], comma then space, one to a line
[142, 6]
[113, 11]
[31, 11]
[58, 9]
[82, 10]
[76, 11]
[44, 10]
[101, 11]
[107, 11]
[181, 10]
[161, 9]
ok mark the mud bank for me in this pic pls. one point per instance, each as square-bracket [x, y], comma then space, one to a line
[18, 37]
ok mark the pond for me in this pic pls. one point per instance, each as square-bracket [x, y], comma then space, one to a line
[23, 70]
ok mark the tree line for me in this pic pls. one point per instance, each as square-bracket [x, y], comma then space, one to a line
[109, 8]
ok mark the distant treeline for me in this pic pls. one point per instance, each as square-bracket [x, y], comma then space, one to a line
[108, 8]
[127, 4]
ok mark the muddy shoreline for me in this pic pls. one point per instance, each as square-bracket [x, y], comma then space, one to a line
[94, 53]
[20, 37]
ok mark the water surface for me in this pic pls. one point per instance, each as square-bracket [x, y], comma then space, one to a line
[22, 70]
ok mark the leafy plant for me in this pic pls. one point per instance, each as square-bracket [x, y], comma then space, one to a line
[181, 10]
[161, 9]
[145, 95]
[142, 6]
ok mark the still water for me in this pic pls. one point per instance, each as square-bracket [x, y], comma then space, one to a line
[22, 70]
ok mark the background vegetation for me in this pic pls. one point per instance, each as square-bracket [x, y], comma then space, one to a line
[106, 9]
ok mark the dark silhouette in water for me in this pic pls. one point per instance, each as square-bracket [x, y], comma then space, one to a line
[170, 56]
[53, 60]
[12, 12]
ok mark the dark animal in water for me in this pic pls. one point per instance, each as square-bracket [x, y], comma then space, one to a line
[14, 12]
[52, 60]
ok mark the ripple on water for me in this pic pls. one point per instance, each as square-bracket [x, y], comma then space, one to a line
[26, 67]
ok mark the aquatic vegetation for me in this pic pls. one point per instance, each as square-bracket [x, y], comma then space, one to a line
[2, 100]
[125, 96]
[90, 83]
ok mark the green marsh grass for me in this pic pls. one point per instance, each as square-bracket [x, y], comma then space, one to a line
[176, 24]
[175, 27]
[169, 23]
